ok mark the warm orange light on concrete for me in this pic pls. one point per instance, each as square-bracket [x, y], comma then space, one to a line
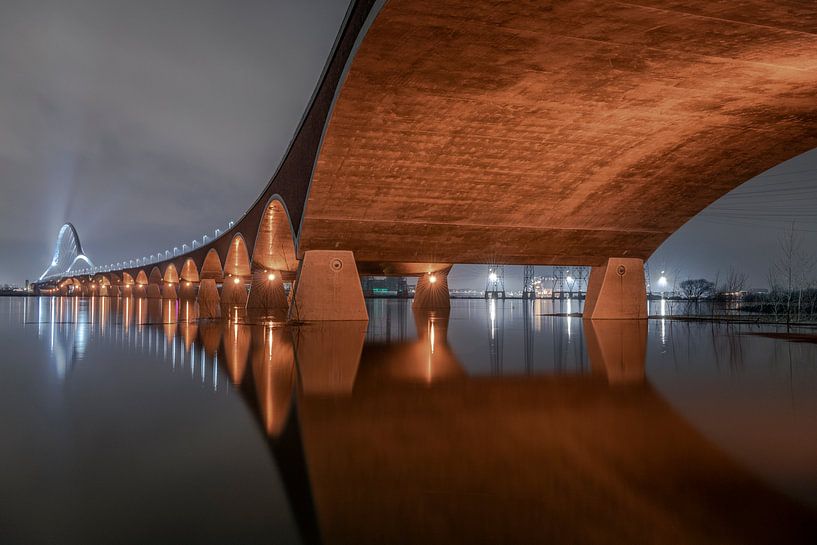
[270, 277]
[432, 278]
[236, 280]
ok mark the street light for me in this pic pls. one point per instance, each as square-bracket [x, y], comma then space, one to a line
[432, 278]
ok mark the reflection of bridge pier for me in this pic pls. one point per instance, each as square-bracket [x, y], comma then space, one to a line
[397, 463]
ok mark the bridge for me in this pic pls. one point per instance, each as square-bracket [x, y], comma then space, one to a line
[492, 132]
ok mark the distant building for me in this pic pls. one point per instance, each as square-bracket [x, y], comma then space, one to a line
[384, 286]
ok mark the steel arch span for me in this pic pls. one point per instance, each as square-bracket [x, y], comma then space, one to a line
[528, 132]
[68, 256]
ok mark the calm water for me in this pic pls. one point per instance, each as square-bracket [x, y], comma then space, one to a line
[496, 423]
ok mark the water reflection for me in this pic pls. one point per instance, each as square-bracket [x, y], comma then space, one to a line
[492, 422]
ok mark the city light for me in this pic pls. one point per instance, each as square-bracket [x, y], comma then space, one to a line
[492, 276]
[432, 278]
[662, 280]
[271, 277]
[236, 280]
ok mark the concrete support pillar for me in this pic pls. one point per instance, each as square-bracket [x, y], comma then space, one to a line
[168, 291]
[153, 291]
[187, 291]
[267, 296]
[431, 292]
[328, 288]
[234, 293]
[616, 290]
[209, 300]
[617, 349]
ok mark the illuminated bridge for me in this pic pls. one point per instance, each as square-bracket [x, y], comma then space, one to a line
[529, 132]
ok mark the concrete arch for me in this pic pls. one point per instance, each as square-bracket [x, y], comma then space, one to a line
[141, 278]
[171, 276]
[211, 268]
[190, 273]
[127, 279]
[466, 134]
[275, 242]
[237, 262]
[155, 276]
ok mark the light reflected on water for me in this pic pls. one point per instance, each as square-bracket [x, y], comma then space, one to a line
[496, 421]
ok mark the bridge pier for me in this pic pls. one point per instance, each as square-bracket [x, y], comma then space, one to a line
[267, 296]
[209, 300]
[234, 292]
[431, 292]
[328, 288]
[168, 291]
[153, 291]
[616, 290]
[187, 291]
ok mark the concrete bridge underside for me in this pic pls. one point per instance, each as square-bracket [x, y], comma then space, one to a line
[528, 132]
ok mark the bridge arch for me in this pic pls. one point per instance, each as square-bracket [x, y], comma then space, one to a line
[211, 268]
[237, 262]
[155, 276]
[275, 242]
[190, 273]
[141, 278]
[171, 276]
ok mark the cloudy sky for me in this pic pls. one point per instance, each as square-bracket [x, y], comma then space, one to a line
[150, 123]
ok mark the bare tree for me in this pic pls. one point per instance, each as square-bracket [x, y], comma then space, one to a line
[791, 271]
[732, 287]
[697, 288]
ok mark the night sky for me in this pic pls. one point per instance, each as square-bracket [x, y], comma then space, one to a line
[148, 124]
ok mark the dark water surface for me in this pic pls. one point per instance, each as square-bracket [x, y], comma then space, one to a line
[497, 423]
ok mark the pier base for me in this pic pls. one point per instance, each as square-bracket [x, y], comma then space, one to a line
[431, 292]
[234, 295]
[209, 300]
[616, 290]
[168, 291]
[267, 296]
[328, 288]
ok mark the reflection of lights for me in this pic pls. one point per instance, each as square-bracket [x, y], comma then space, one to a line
[271, 277]
[236, 280]
[492, 276]
[492, 314]
[187, 284]
[569, 279]
[432, 278]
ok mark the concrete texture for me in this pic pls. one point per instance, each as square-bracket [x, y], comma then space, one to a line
[616, 290]
[209, 299]
[556, 132]
[328, 288]
[267, 297]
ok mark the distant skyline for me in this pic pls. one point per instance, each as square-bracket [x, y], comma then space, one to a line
[150, 124]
